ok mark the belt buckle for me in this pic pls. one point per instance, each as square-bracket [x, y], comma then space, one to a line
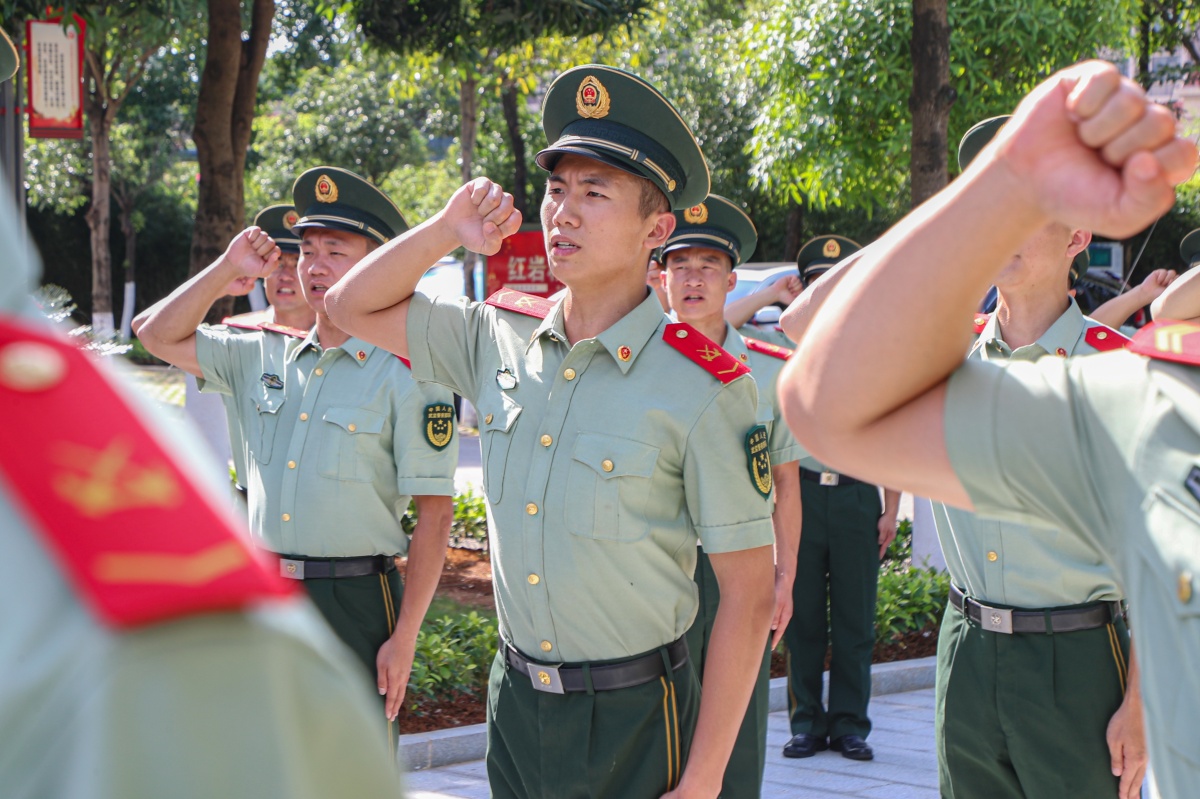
[291, 569]
[998, 620]
[545, 678]
[829, 478]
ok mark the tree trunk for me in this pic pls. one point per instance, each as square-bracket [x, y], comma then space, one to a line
[794, 237]
[1143, 76]
[224, 116]
[468, 105]
[509, 98]
[99, 217]
[931, 98]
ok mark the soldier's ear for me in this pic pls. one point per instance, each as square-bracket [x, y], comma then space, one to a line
[664, 226]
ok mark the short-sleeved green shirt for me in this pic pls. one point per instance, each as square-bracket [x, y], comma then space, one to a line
[765, 370]
[602, 462]
[1015, 564]
[337, 440]
[1106, 448]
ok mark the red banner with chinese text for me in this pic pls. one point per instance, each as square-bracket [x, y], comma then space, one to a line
[54, 64]
[521, 265]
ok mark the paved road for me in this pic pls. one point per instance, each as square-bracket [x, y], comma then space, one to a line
[905, 766]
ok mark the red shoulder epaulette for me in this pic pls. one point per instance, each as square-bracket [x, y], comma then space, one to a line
[294, 332]
[1104, 338]
[519, 301]
[246, 321]
[767, 348]
[1169, 341]
[405, 361]
[136, 538]
[705, 352]
[981, 320]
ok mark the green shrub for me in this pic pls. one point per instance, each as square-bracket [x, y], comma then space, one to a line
[453, 656]
[910, 599]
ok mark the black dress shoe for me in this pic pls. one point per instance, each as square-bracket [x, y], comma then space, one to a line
[853, 747]
[804, 745]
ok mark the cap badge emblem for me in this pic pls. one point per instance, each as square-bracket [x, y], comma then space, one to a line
[291, 218]
[831, 249]
[592, 100]
[327, 190]
[696, 215]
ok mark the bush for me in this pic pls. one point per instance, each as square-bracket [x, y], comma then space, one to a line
[910, 599]
[453, 656]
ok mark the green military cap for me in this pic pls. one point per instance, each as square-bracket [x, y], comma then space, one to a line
[822, 252]
[278, 221]
[621, 120]
[1079, 266]
[8, 58]
[329, 197]
[718, 224]
[1189, 248]
[975, 139]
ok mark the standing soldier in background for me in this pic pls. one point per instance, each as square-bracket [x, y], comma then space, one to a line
[121, 680]
[846, 533]
[596, 511]
[710, 240]
[338, 433]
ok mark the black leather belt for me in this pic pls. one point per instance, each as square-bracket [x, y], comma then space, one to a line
[828, 479]
[605, 677]
[298, 567]
[1009, 620]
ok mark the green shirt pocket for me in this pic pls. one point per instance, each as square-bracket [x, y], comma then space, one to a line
[608, 487]
[260, 437]
[498, 414]
[350, 444]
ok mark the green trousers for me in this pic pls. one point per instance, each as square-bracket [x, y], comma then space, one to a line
[837, 575]
[630, 743]
[363, 612]
[744, 774]
[1025, 716]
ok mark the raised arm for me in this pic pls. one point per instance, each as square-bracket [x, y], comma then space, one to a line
[1181, 301]
[741, 311]
[865, 391]
[168, 328]
[371, 301]
[1114, 312]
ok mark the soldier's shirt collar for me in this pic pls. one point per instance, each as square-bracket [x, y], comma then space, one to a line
[358, 350]
[735, 345]
[1060, 338]
[624, 340]
[552, 325]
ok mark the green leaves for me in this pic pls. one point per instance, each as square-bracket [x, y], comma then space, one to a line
[453, 656]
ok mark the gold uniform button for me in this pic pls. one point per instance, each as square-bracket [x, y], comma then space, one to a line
[287, 517]
[351, 427]
[992, 557]
[318, 371]
[291, 464]
[606, 465]
[547, 646]
[547, 440]
[569, 374]
[531, 509]
[533, 579]
[487, 419]
[304, 417]
[1185, 587]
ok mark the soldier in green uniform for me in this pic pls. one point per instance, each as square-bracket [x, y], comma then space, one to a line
[846, 531]
[1103, 448]
[339, 433]
[1061, 651]
[124, 688]
[710, 240]
[608, 434]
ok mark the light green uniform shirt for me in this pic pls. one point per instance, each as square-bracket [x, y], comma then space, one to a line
[774, 335]
[765, 369]
[1014, 564]
[337, 449]
[1106, 448]
[600, 471]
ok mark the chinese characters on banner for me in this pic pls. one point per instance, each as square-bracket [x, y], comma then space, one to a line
[521, 265]
[55, 67]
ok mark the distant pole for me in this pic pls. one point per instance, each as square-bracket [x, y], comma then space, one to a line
[12, 140]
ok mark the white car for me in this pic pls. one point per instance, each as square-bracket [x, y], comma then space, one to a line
[755, 277]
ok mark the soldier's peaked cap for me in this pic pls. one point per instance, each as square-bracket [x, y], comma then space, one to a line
[277, 221]
[978, 137]
[1189, 248]
[338, 199]
[9, 60]
[821, 252]
[717, 224]
[617, 118]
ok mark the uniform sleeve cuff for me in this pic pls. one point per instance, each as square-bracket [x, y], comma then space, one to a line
[426, 486]
[737, 537]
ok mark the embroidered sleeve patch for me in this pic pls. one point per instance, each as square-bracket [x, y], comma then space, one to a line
[439, 425]
[758, 459]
